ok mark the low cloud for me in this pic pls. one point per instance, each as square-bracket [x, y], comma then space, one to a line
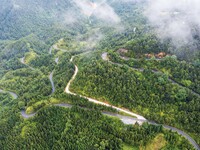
[175, 19]
[70, 17]
[106, 13]
[100, 10]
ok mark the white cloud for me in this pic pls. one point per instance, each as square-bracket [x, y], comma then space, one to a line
[70, 17]
[100, 10]
[175, 19]
[106, 13]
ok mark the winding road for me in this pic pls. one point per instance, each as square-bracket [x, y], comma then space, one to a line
[67, 90]
[27, 116]
[125, 119]
[55, 46]
[105, 58]
[52, 83]
[14, 95]
[129, 120]
[22, 60]
[56, 60]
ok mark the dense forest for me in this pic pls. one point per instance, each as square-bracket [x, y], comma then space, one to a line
[147, 93]
[75, 128]
[184, 73]
[38, 40]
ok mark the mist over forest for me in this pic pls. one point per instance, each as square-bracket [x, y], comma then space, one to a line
[175, 22]
[99, 74]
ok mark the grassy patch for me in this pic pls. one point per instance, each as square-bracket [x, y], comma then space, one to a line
[30, 56]
[129, 147]
[27, 129]
[157, 143]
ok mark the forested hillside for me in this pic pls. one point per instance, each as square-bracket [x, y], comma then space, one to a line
[145, 92]
[95, 75]
[20, 18]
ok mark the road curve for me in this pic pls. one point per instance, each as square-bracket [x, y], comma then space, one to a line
[27, 116]
[52, 83]
[55, 46]
[131, 120]
[190, 139]
[50, 50]
[105, 58]
[125, 119]
[22, 60]
[56, 60]
[51, 75]
[14, 95]
[67, 90]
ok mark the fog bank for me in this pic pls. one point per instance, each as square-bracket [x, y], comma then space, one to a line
[101, 10]
[175, 19]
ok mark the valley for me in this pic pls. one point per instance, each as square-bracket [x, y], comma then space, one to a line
[98, 75]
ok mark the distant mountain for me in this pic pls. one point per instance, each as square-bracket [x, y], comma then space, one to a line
[19, 18]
